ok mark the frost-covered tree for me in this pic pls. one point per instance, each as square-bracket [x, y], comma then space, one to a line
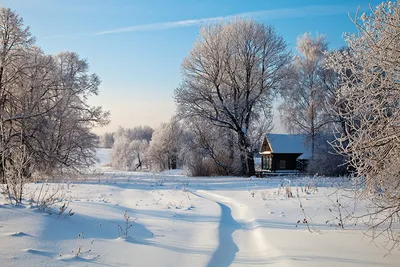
[140, 148]
[121, 156]
[45, 121]
[369, 101]
[227, 77]
[140, 133]
[211, 150]
[64, 140]
[306, 88]
[129, 151]
[106, 140]
[14, 38]
[164, 146]
[208, 150]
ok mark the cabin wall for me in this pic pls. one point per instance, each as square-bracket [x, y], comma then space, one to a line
[280, 162]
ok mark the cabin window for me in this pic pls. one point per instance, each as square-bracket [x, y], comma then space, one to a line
[267, 163]
[282, 164]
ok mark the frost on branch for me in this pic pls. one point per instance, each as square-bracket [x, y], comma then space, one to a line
[369, 102]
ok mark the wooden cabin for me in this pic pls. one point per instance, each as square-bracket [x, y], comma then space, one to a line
[284, 153]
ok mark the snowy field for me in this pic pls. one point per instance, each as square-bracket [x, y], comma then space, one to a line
[183, 221]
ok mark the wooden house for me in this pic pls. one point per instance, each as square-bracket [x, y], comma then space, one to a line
[284, 153]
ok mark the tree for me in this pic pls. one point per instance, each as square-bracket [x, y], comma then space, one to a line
[207, 149]
[14, 38]
[306, 88]
[164, 146]
[107, 140]
[229, 76]
[139, 149]
[45, 121]
[140, 133]
[121, 156]
[130, 148]
[369, 101]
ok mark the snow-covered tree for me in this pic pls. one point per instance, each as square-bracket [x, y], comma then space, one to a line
[129, 151]
[140, 133]
[164, 146]
[306, 88]
[121, 157]
[106, 140]
[230, 73]
[45, 121]
[369, 101]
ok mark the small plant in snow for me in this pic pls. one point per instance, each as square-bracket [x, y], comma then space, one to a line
[80, 248]
[305, 220]
[46, 196]
[123, 230]
[175, 205]
[63, 208]
[288, 192]
[339, 212]
[104, 198]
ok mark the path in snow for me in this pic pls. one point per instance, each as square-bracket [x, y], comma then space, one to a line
[240, 237]
[227, 248]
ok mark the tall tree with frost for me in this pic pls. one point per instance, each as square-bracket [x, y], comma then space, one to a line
[130, 148]
[45, 121]
[229, 75]
[305, 89]
[106, 140]
[369, 101]
[164, 146]
[14, 38]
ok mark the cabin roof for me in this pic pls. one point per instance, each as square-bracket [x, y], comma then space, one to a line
[289, 144]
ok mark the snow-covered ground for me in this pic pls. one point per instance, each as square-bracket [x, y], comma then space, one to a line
[185, 221]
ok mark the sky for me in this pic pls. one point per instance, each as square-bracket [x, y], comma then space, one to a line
[137, 46]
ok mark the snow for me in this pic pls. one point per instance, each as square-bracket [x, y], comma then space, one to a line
[185, 221]
[289, 143]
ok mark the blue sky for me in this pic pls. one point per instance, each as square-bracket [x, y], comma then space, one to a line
[136, 46]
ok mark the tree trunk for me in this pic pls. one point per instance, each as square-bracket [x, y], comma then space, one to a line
[243, 163]
[246, 157]
[173, 162]
[139, 165]
[250, 164]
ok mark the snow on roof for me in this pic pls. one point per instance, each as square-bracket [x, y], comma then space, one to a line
[290, 143]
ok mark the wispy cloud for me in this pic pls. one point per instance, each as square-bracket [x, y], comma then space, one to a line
[319, 10]
[272, 14]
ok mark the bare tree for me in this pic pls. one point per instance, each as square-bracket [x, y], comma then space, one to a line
[231, 71]
[369, 101]
[14, 38]
[207, 149]
[306, 88]
[45, 121]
